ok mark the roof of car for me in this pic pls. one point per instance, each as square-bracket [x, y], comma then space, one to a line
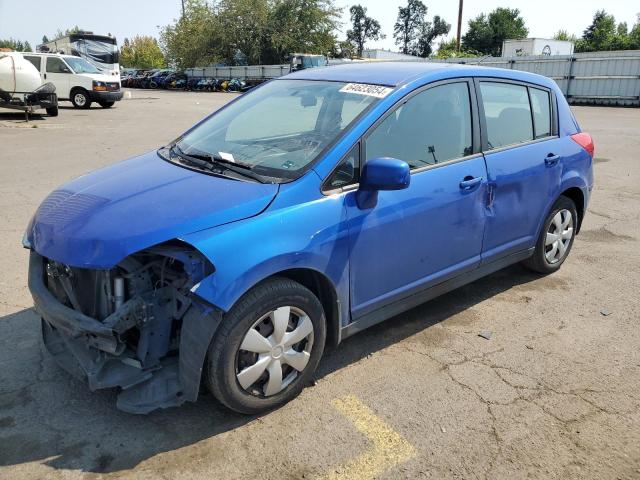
[397, 73]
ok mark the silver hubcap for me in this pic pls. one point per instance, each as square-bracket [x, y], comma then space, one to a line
[80, 99]
[274, 351]
[558, 236]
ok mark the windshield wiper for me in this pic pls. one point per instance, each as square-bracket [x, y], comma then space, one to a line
[210, 162]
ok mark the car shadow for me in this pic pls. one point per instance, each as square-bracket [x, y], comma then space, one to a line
[17, 115]
[48, 417]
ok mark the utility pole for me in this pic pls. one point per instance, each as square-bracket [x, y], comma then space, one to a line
[183, 7]
[459, 26]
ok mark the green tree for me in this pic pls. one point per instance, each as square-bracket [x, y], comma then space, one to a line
[16, 45]
[448, 49]
[428, 33]
[305, 26]
[409, 25]
[63, 33]
[604, 34]
[194, 39]
[141, 52]
[564, 35]
[487, 32]
[634, 35]
[242, 26]
[45, 39]
[363, 28]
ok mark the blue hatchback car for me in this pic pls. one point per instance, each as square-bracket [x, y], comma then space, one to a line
[309, 209]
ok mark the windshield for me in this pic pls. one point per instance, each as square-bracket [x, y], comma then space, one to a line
[279, 128]
[80, 65]
[103, 53]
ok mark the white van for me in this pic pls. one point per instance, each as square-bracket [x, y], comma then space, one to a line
[76, 79]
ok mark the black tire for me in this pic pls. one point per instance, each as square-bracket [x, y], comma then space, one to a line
[80, 98]
[52, 111]
[224, 352]
[106, 104]
[538, 261]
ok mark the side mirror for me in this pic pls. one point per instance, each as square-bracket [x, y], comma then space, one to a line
[382, 173]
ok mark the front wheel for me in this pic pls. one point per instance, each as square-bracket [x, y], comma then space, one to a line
[267, 347]
[106, 104]
[556, 237]
[52, 111]
[80, 99]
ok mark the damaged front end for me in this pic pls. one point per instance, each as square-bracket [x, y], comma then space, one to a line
[136, 326]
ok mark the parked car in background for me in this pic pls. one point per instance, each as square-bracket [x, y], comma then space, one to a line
[77, 80]
[157, 79]
[301, 213]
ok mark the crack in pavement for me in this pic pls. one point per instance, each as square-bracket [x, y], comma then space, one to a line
[540, 387]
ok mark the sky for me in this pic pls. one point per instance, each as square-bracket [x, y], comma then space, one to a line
[126, 18]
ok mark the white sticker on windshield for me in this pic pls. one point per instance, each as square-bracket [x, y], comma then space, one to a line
[227, 156]
[377, 91]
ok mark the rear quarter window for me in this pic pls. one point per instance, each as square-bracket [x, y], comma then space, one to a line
[507, 114]
[540, 102]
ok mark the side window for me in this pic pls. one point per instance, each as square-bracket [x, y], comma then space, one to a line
[507, 114]
[432, 127]
[541, 112]
[36, 61]
[56, 65]
[347, 172]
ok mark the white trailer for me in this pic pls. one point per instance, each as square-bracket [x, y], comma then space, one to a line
[21, 87]
[536, 46]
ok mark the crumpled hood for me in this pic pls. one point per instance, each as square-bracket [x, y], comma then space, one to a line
[98, 219]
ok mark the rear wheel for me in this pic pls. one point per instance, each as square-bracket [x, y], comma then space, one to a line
[106, 104]
[267, 347]
[52, 111]
[556, 237]
[80, 98]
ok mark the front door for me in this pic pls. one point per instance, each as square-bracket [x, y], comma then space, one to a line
[58, 73]
[417, 237]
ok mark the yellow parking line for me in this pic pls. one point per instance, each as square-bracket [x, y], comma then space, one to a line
[389, 448]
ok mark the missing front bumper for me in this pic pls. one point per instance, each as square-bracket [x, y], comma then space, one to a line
[94, 352]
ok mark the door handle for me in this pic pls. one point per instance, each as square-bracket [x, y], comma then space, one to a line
[469, 182]
[551, 159]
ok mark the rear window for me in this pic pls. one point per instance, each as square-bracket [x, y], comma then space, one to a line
[507, 113]
[36, 61]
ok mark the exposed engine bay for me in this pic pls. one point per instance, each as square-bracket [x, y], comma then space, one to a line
[136, 326]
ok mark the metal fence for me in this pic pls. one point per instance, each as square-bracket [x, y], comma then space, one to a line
[252, 72]
[598, 78]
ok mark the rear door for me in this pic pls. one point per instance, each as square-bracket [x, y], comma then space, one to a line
[523, 156]
[58, 73]
[431, 231]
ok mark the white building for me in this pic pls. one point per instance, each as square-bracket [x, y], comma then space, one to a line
[536, 46]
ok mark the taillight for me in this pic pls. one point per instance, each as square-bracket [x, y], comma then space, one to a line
[585, 141]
